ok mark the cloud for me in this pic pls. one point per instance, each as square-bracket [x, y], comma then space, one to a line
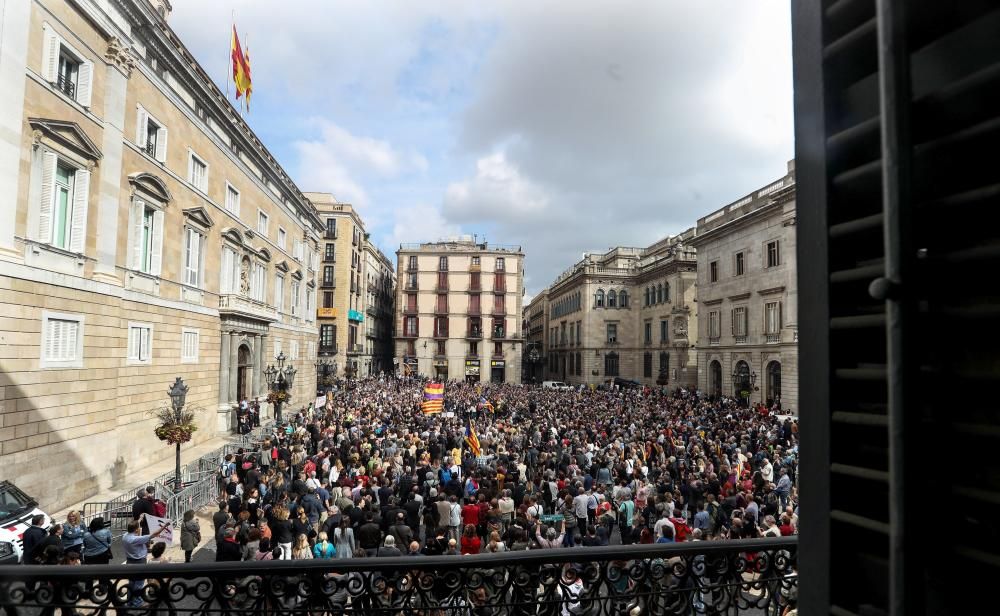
[498, 192]
[420, 223]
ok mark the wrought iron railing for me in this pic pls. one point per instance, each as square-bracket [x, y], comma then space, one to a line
[706, 577]
[67, 86]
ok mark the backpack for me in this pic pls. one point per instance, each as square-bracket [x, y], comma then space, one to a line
[226, 471]
[445, 475]
[159, 508]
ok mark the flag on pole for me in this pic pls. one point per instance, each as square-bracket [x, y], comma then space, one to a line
[241, 68]
[433, 398]
[471, 439]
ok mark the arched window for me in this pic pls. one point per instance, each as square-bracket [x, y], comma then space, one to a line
[599, 298]
[666, 292]
[623, 299]
[579, 365]
[659, 293]
[612, 299]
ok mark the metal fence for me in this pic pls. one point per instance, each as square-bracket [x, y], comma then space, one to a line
[755, 576]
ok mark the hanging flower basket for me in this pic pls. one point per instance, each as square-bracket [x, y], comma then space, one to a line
[277, 396]
[173, 429]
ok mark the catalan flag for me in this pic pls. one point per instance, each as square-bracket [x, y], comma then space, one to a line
[433, 398]
[241, 68]
[471, 439]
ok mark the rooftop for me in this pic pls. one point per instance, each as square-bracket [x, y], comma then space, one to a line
[460, 243]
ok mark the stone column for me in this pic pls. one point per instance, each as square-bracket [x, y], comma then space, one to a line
[224, 370]
[109, 198]
[258, 366]
[234, 350]
[15, 26]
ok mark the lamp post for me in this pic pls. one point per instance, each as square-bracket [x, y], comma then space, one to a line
[322, 372]
[746, 381]
[533, 359]
[279, 382]
[178, 394]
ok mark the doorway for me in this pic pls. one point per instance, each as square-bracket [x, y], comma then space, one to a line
[774, 383]
[243, 367]
[715, 379]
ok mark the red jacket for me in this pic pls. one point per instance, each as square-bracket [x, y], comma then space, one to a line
[470, 515]
[681, 529]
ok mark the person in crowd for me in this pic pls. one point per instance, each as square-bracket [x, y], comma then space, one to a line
[97, 543]
[73, 531]
[190, 534]
[33, 535]
[136, 545]
[302, 550]
[323, 548]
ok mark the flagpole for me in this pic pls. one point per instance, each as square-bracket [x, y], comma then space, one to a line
[229, 57]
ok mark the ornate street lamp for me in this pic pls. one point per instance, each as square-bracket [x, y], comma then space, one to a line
[178, 395]
[279, 382]
[746, 381]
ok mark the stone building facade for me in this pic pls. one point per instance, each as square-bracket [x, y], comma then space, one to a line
[748, 297]
[145, 233]
[380, 292]
[458, 310]
[625, 313]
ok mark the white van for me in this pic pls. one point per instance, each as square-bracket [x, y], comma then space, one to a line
[16, 511]
[556, 385]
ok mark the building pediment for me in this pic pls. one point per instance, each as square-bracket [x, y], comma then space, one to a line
[234, 235]
[199, 216]
[282, 266]
[149, 185]
[772, 290]
[66, 134]
[297, 274]
[739, 297]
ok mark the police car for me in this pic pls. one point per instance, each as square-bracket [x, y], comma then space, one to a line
[16, 511]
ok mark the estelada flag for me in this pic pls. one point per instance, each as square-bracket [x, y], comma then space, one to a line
[241, 68]
[471, 439]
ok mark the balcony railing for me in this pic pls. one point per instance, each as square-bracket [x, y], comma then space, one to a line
[475, 333]
[441, 333]
[327, 349]
[704, 577]
[329, 259]
[328, 284]
[330, 235]
[772, 338]
[239, 304]
[67, 86]
[740, 339]
[714, 341]
[411, 286]
[151, 148]
[355, 349]
[409, 310]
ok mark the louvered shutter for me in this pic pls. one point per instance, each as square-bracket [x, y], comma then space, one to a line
[84, 83]
[226, 275]
[201, 261]
[50, 55]
[161, 145]
[49, 161]
[141, 123]
[81, 198]
[156, 256]
[133, 343]
[135, 234]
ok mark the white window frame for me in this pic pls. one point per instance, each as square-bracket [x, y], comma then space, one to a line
[293, 350]
[295, 298]
[187, 358]
[199, 271]
[282, 238]
[52, 46]
[277, 347]
[279, 292]
[143, 118]
[233, 207]
[262, 217]
[78, 202]
[229, 282]
[76, 361]
[310, 305]
[777, 253]
[772, 317]
[714, 325]
[137, 359]
[136, 246]
[192, 157]
[741, 321]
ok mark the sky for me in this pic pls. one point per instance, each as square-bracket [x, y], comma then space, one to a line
[561, 126]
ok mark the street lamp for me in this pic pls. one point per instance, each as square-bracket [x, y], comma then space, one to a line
[279, 382]
[746, 381]
[323, 371]
[178, 394]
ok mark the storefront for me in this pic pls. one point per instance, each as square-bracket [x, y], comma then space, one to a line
[472, 371]
[441, 369]
[497, 369]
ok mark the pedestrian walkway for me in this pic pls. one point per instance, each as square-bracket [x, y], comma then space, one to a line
[146, 475]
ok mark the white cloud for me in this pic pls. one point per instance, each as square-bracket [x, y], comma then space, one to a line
[497, 192]
[420, 223]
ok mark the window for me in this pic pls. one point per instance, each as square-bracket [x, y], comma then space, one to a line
[773, 256]
[498, 349]
[146, 238]
[443, 264]
[150, 135]
[300, 247]
[139, 343]
[277, 347]
[599, 299]
[327, 299]
[413, 263]
[441, 327]
[310, 305]
[579, 332]
[295, 298]
[189, 345]
[262, 221]
[659, 293]
[258, 282]
[663, 331]
[612, 332]
[666, 291]
[442, 303]
[198, 172]
[474, 348]
[442, 280]
[411, 348]
[229, 276]
[579, 364]
[647, 365]
[411, 281]
[194, 244]
[664, 363]
[282, 239]
[611, 364]
[441, 347]
[328, 275]
[772, 318]
[498, 304]
[331, 228]
[740, 323]
[612, 299]
[571, 370]
[63, 208]
[498, 328]
[279, 292]
[410, 326]
[330, 254]
[738, 267]
[622, 299]
[293, 349]
[65, 68]
[646, 300]
[327, 338]
[475, 261]
[713, 271]
[62, 340]
[714, 325]
[500, 267]
[648, 333]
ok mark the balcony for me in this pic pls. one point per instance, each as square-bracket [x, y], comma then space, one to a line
[329, 258]
[410, 286]
[499, 312]
[475, 334]
[499, 334]
[740, 339]
[151, 148]
[66, 86]
[673, 578]
[441, 334]
[474, 311]
[327, 349]
[475, 287]
[409, 310]
[772, 338]
[328, 284]
[330, 234]
[441, 287]
[475, 267]
[244, 306]
[355, 349]
[500, 288]
[713, 341]
[440, 310]
[371, 311]
[326, 313]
